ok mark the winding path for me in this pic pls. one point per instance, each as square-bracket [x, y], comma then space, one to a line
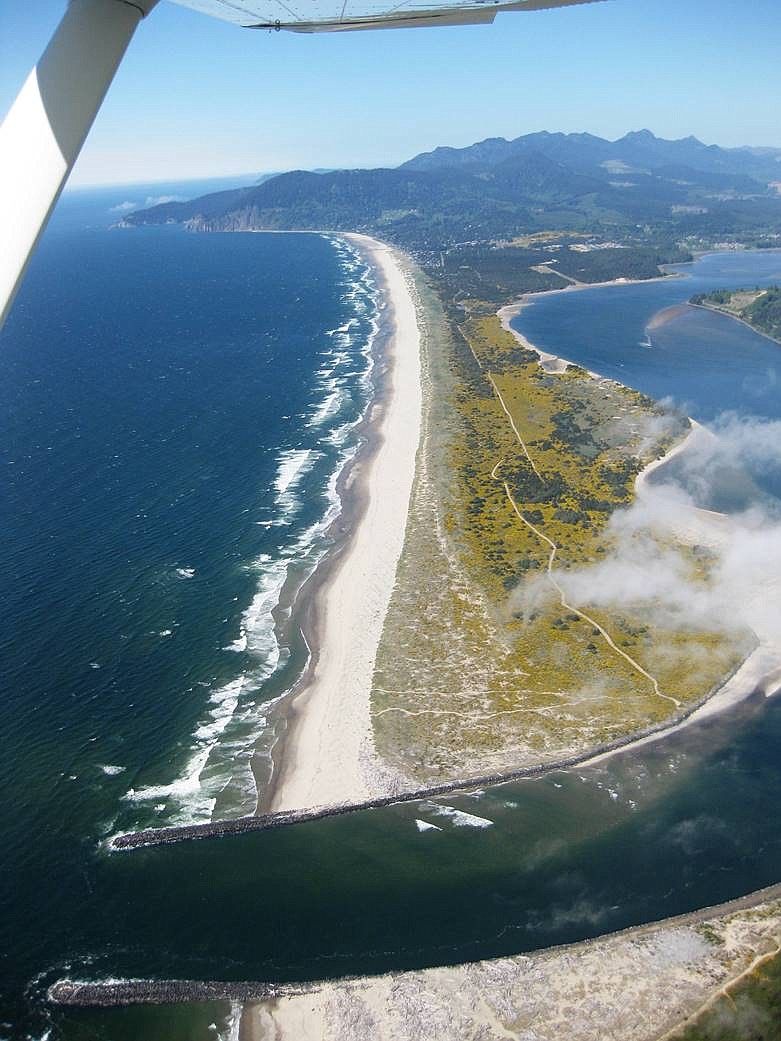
[552, 557]
[722, 992]
[521, 441]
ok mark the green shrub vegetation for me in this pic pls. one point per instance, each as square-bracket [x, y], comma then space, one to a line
[480, 666]
[749, 1011]
[761, 308]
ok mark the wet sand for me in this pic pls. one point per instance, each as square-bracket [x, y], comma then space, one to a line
[327, 754]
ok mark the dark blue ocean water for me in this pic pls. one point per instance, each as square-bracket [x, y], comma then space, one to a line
[174, 412]
[159, 393]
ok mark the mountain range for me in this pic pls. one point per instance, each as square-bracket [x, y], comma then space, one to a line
[499, 189]
[640, 151]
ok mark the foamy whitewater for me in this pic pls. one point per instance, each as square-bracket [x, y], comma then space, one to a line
[234, 725]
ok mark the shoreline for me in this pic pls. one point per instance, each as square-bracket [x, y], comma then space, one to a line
[760, 671]
[288, 1014]
[736, 318]
[758, 674]
[580, 287]
[300, 599]
[107, 994]
[325, 753]
[668, 973]
[554, 362]
[303, 601]
[767, 684]
[749, 678]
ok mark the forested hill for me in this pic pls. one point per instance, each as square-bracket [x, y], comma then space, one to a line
[637, 186]
[761, 308]
[636, 152]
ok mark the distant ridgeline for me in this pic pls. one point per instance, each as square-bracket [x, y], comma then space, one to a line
[531, 200]
[760, 308]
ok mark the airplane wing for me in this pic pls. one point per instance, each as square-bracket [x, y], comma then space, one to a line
[311, 16]
[43, 132]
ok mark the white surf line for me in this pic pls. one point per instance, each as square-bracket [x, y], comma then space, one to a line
[329, 755]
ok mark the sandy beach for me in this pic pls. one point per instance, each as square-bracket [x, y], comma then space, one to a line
[552, 362]
[548, 362]
[328, 754]
[326, 758]
[638, 985]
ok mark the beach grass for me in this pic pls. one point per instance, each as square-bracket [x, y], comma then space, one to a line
[480, 665]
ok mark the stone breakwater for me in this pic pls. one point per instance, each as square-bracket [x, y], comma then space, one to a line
[112, 993]
[283, 818]
[166, 992]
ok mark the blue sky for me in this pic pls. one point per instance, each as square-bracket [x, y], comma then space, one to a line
[196, 97]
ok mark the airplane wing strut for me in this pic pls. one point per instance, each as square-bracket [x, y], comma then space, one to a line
[45, 129]
[43, 132]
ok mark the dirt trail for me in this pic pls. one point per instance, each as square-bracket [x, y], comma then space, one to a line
[582, 614]
[553, 547]
[722, 992]
[552, 558]
[521, 441]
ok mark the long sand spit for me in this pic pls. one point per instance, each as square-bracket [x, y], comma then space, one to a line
[327, 764]
[328, 755]
[638, 985]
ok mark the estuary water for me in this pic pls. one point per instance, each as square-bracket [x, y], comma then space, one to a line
[175, 410]
[704, 362]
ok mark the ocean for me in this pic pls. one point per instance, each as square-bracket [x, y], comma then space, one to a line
[176, 409]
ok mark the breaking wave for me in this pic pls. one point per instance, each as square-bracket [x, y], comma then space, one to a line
[216, 779]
